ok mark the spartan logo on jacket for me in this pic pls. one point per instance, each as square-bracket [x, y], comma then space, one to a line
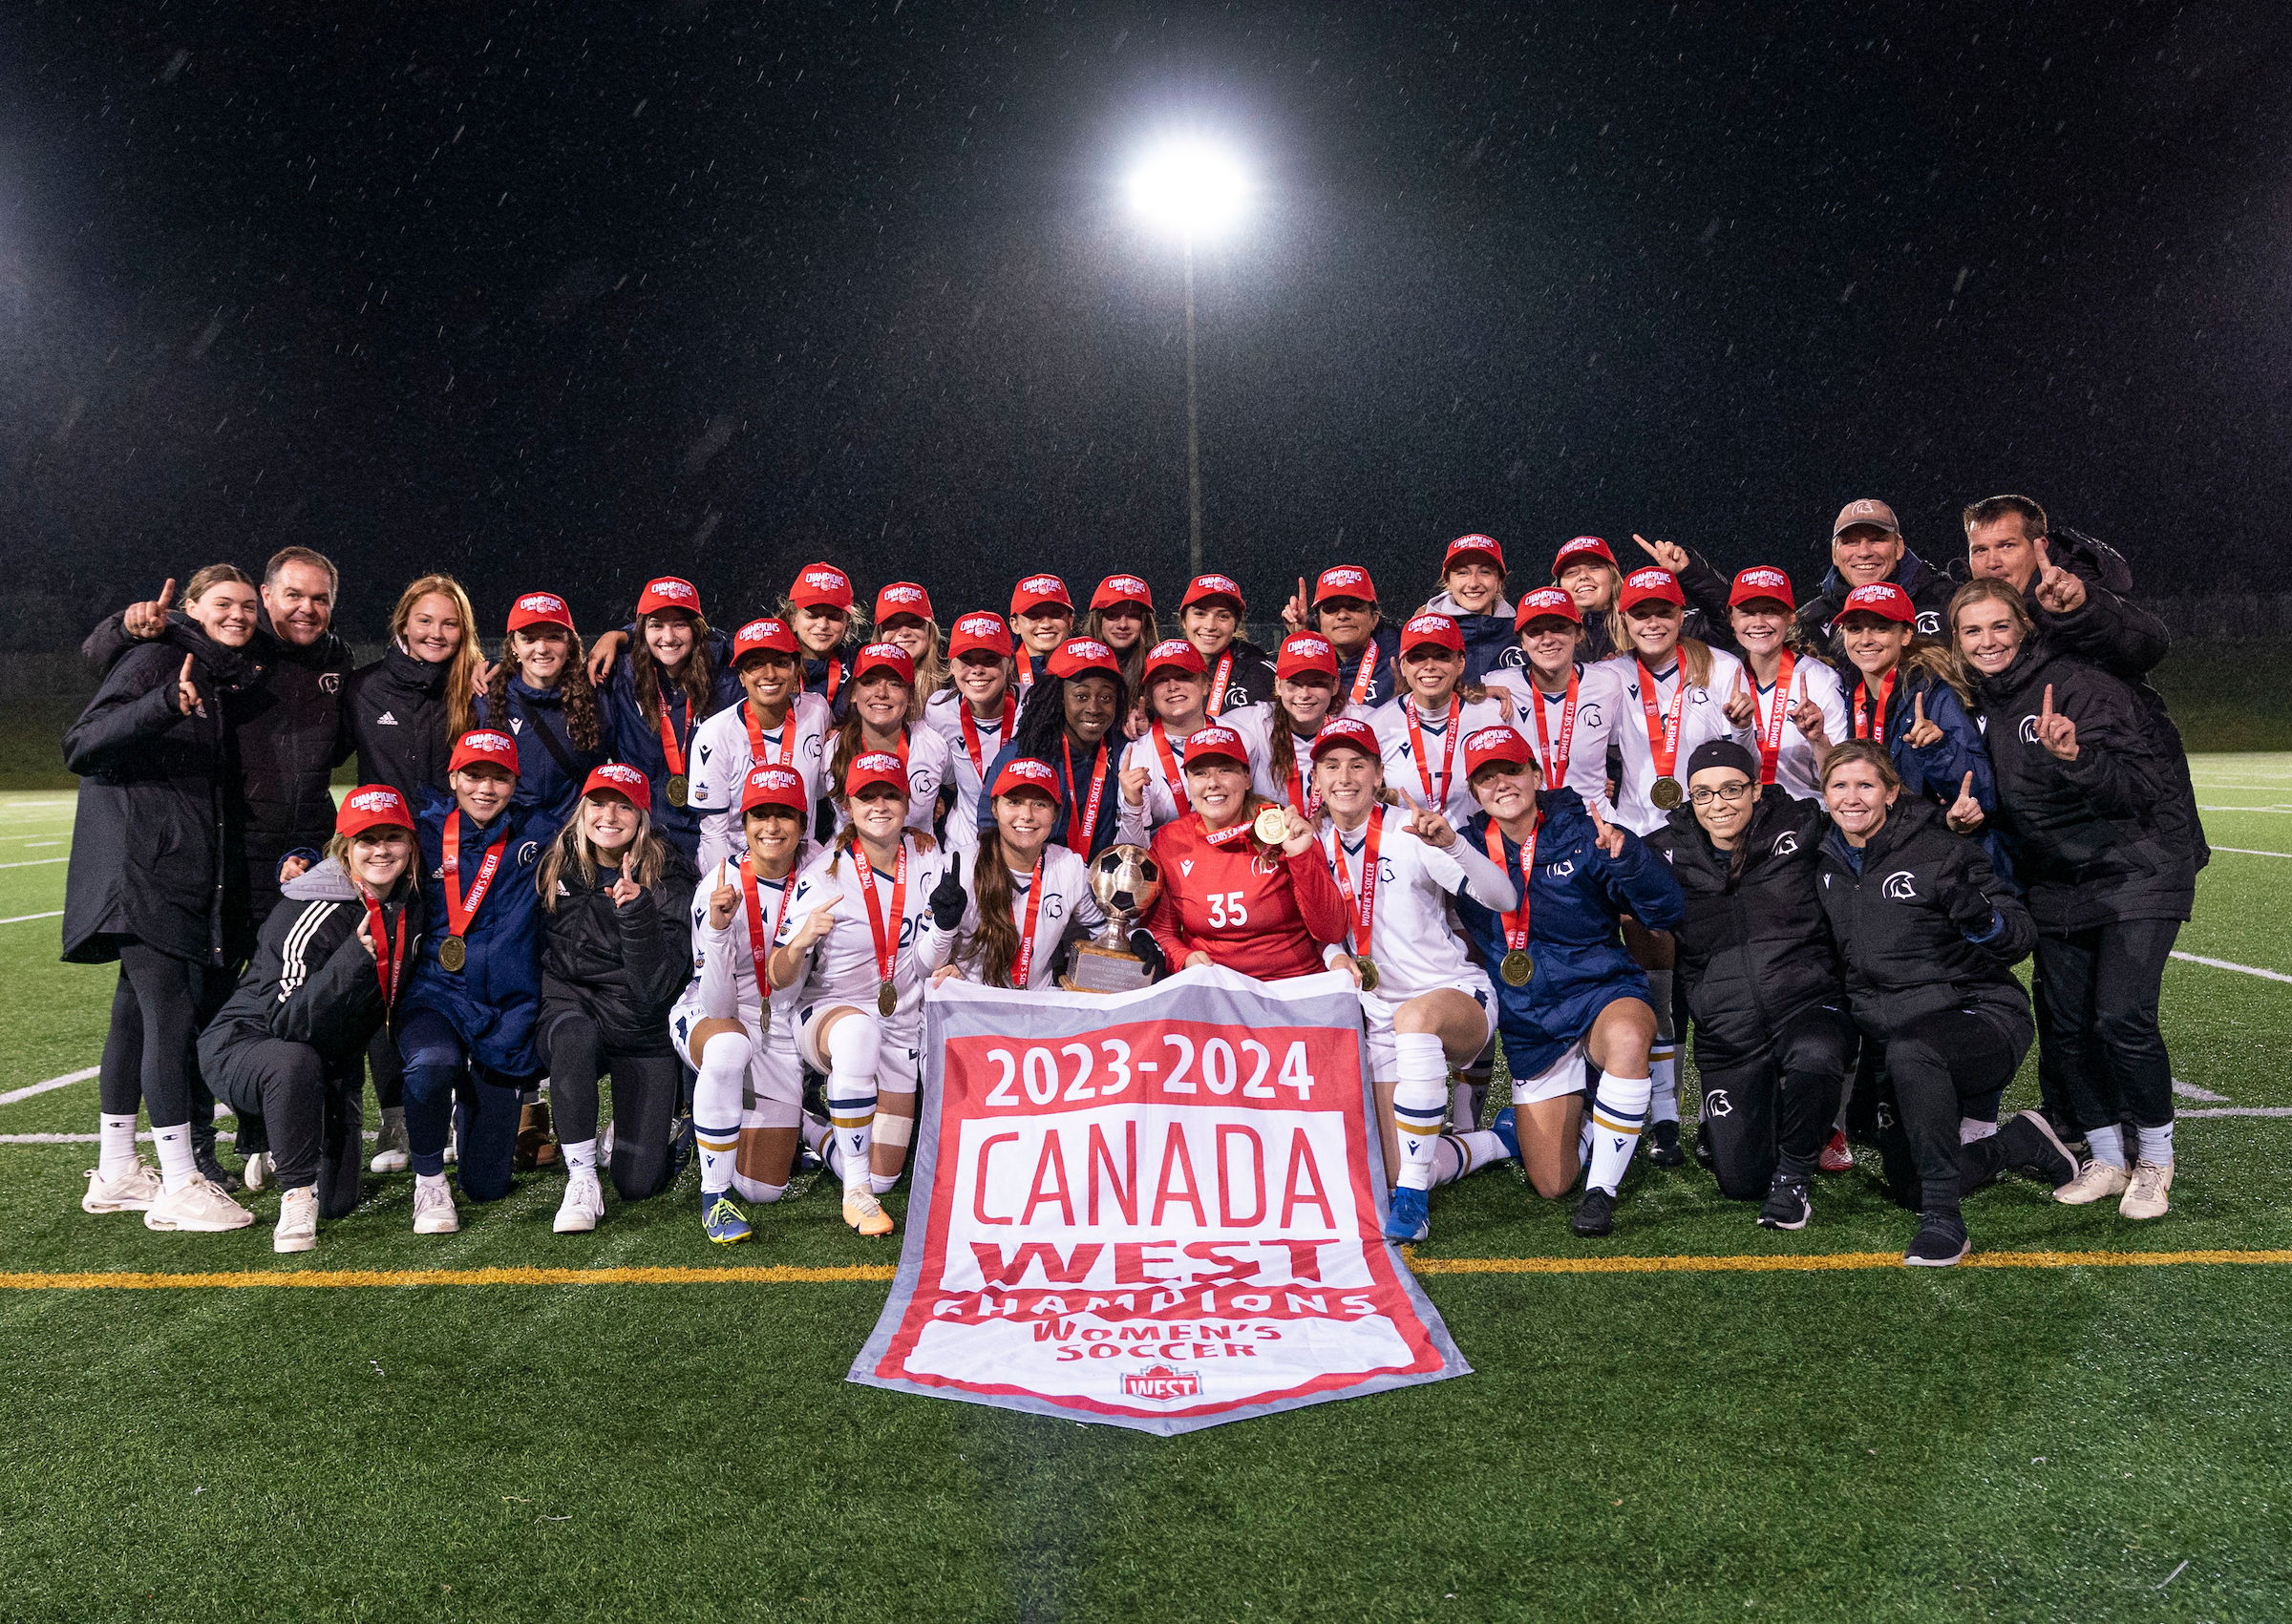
[1786, 843]
[1897, 887]
[2029, 729]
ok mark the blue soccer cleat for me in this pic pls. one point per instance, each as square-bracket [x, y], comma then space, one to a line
[1406, 1215]
[1507, 1128]
[724, 1223]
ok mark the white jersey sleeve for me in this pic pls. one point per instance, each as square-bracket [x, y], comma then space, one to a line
[842, 964]
[1796, 762]
[943, 716]
[1702, 717]
[1165, 798]
[1439, 781]
[1413, 937]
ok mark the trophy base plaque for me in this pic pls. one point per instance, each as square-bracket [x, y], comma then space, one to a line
[1101, 969]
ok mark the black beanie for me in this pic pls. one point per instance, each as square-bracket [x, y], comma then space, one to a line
[1724, 753]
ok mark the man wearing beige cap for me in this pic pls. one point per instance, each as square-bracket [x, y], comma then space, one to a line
[1867, 545]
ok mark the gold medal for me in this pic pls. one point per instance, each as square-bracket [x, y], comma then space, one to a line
[680, 789]
[1667, 793]
[887, 998]
[1367, 967]
[453, 953]
[1271, 828]
[1516, 969]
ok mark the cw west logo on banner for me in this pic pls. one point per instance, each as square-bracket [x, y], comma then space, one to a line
[1158, 1210]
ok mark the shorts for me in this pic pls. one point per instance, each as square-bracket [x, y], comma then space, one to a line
[773, 1090]
[900, 1062]
[1565, 1076]
[1378, 1012]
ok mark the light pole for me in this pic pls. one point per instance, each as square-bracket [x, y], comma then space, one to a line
[1193, 191]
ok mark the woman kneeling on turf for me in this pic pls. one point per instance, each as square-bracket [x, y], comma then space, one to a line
[1566, 990]
[1426, 1006]
[289, 1046]
[616, 956]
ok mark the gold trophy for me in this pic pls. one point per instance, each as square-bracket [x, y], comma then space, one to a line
[1126, 880]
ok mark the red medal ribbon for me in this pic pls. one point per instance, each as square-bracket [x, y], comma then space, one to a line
[1225, 672]
[887, 941]
[1364, 674]
[1663, 738]
[835, 678]
[1556, 767]
[389, 962]
[1365, 910]
[1022, 966]
[755, 736]
[1448, 754]
[972, 745]
[1171, 771]
[672, 747]
[458, 911]
[1090, 809]
[1515, 922]
[1867, 726]
[1770, 725]
[759, 944]
[1222, 839]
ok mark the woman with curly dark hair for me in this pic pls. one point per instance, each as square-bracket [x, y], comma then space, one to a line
[539, 692]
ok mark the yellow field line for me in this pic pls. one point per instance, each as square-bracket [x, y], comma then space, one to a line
[783, 1275]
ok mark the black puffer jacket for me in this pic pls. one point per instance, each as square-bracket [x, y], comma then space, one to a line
[621, 966]
[311, 981]
[399, 720]
[1250, 682]
[1754, 949]
[1929, 591]
[1905, 911]
[156, 844]
[2091, 838]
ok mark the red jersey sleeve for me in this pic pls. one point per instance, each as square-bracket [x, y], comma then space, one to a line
[1169, 847]
[1320, 904]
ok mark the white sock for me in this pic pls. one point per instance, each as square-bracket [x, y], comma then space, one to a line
[882, 1184]
[719, 1151]
[717, 1099]
[2107, 1143]
[1460, 1156]
[2156, 1144]
[1663, 1055]
[580, 1157]
[428, 1181]
[854, 1045]
[177, 1166]
[817, 1134]
[1464, 1103]
[1972, 1130]
[1420, 1099]
[115, 1145]
[1619, 1111]
[755, 1190]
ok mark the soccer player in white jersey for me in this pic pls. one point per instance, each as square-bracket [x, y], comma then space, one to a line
[1789, 700]
[873, 915]
[777, 725]
[1178, 689]
[975, 717]
[1422, 728]
[881, 716]
[1426, 1006]
[1566, 708]
[1280, 736]
[1026, 892]
[730, 1023]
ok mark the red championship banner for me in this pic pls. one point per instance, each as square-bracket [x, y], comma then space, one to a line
[1159, 1209]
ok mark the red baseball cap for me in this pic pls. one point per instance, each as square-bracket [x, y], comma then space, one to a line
[669, 592]
[484, 747]
[1884, 599]
[1305, 651]
[540, 609]
[1121, 589]
[1213, 742]
[1038, 590]
[1345, 580]
[1347, 732]
[774, 787]
[1761, 581]
[622, 779]
[822, 586]
[1474, 545]
[980, 632]
[1578, 548]
[1546, 602]
[1172, 653]
[767, 634]
[1486, 745]
[884, 657]
[1651, 585]
[372, 805]
[1079, 656]
[1204, 586]
[1437, 630]
[902, 598]
[1025, 772]
[873, 767]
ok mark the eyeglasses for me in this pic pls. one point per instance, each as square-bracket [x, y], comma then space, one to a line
[1730, 794]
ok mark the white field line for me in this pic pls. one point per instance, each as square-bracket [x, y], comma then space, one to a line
[143, 1137]
[2201, 807]
[44, 837]
[54, 1082]
[2227, 964]
[2189, 1091]
[2248, 852]
[35, 863]
[2235, 1110]
[19, 918]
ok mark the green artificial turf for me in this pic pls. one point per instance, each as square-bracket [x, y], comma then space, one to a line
[2076, 1443]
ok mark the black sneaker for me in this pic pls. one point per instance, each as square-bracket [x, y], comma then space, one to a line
[1705, 1156]
[2035, 1146]
[1939, 1242]
[1787, 1207]
[210, 1166]
[1662, 1145]
[1594, 1214]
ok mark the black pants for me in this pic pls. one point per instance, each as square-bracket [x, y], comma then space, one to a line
[1952, 1063]
[2103, 1059]
[388, 1070]
[149, 1057]
[1776, 1103]
[647, 1089]
[312, 1108]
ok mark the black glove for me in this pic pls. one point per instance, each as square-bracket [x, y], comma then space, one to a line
[1970, 911]
[947, 900]
[1148, 950]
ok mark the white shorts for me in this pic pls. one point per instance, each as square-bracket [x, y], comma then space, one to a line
[1562, 1077]
[1378, 1012]
[900, 1062]
[774, 1085]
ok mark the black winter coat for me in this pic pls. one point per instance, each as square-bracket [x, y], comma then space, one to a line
[156, 846]
[621, 966]
[1903, 916]
[311, 981]
[1250, 682]
[1755, 948]
[400, 722]
[1929, 591]
[2090, 839]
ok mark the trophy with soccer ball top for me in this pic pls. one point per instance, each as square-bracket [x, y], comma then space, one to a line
[1126, 880]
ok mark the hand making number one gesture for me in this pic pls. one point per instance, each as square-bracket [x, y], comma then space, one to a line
[1966, 814]
[1427, 824]
[1605, 835]
[1923, 734]
[2055, 731]
[1741, 710]
[1668, 555]
[148, 619]
[1297, 614]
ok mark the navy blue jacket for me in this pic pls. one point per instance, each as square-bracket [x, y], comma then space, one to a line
[491, 1002]
[1573, 900]
[542, 785]
[1385, 681]
[635, 738]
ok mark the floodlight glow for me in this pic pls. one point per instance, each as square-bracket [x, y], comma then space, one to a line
[1189, 189]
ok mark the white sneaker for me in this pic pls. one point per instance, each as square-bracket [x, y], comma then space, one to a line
[199, 1207]
[2145, 1198]
[389, 1145]
[255, 1172]
[433, 1210]
[2096, 1181]
[132, 1191]
[583, 1206]
[297, 1228]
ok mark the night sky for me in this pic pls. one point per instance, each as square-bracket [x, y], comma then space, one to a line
[566, 296]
